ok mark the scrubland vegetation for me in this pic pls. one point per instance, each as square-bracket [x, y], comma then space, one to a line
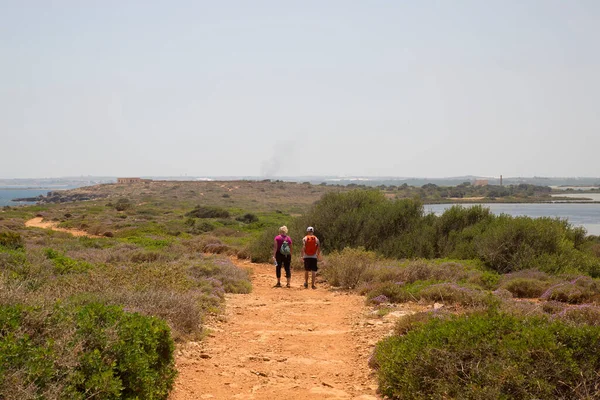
[82, 316]
[520, 296]
[465, 191]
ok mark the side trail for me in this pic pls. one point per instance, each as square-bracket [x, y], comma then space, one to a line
[280, 343]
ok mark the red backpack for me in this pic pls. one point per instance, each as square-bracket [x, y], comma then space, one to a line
[310, 245]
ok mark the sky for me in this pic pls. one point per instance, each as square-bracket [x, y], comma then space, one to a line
[418, 88]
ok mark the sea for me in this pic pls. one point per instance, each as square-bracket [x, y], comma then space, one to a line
[586, 215]
[7, 194]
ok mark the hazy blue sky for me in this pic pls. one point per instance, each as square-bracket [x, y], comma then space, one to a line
[396, 88]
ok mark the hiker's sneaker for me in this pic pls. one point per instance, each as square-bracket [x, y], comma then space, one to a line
[313, 286]
[305, 285]
[277, 285]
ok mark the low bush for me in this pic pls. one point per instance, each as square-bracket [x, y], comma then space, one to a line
[63, 264]
[208, 212]
[487, 280]
[553, 307]
[348, 267]
[525, 287]
[400, 229]
[491, 356]
[397, 292]
[247, 218]
[451, 293]
[416, 320]
[577, 290]
[217, 248]
[199, 227]
[568, 292]
[516, 243]
[11, 240]
[587, 314]
[145, 256]
[73, 352]
[423, 270]
[122, 204]
[232, 278]
[261, 249]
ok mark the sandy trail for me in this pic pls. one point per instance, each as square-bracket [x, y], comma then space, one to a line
[279, 343]
[39, 222]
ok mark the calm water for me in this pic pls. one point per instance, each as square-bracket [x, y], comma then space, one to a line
[6, 195]
[578, 214]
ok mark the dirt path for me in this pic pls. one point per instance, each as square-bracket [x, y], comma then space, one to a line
[279, 343]
[38, 222]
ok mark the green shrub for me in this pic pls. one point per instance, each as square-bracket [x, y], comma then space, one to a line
[491, 356]
[579, 290]
[416, 320]
[525, 287]
[400, 229]
[11, 240]
[366, 218]
[63, 264]
[148, 242]
[516, 243]
[487, 280]
[247, 218]
[71, 352]
[261, 249]
[145, 256]
[208, 212]
[348, 267]
[232, 278]
[583, 314]
[398, 292]
[122, 204]
[451, 293]
[199, 227]
[455, 228]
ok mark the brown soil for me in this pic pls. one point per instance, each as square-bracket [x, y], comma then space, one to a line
[39, 223]
[280, 343]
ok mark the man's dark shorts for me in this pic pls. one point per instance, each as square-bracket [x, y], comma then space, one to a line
[310, 264]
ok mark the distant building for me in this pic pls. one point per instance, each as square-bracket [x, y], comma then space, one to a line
[131, 180]
[480, 182]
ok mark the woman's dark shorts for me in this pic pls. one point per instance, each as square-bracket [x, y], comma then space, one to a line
[310, 264]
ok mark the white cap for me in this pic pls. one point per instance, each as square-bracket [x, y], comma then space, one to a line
[310, 229]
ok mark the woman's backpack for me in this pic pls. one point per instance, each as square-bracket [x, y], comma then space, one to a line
[285, 248]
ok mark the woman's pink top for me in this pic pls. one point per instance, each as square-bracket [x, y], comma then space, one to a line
[280, 239]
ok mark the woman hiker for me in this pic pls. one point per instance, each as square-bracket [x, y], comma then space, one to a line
[282, 254]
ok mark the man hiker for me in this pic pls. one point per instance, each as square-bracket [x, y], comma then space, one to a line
[282, 254]
[311, 252]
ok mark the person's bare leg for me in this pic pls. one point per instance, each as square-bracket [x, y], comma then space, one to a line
[314, 274]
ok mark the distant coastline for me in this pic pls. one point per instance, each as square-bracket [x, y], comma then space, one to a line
[9, 194]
